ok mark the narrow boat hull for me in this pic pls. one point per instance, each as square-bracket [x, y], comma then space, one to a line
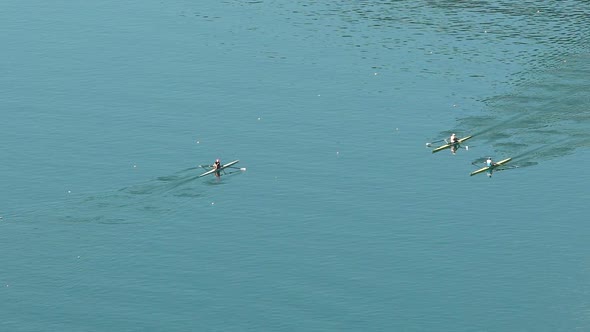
[483, 169]
[448, 145]
[221, 168]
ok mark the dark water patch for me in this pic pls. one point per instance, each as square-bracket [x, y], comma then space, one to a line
[126, 205]
[167, 178]
[188, 194]
[511, 146]
[556, 103]
[163, 184]
[553, 95]
[107, 220]
[486, 128]
[117, 221]
[539, 153]
[214, 182]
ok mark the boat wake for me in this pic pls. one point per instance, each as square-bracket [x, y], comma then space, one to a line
[155, 198]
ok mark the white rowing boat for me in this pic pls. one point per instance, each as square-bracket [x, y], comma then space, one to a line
[213, 170]
[448, 145]
[491, 168]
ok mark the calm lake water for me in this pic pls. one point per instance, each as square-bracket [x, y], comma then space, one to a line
[343, 219]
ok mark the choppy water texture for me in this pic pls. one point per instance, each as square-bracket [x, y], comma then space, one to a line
[343, 220]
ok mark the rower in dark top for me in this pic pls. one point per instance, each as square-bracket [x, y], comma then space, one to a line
[217, 167]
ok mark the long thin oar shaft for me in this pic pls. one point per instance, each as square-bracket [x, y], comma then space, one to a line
[430, 143]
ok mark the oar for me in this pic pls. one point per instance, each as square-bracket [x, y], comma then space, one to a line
[429, 144]
[240, 168]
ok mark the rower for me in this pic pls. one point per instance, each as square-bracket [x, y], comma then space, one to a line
[217, 167]
[490, 164]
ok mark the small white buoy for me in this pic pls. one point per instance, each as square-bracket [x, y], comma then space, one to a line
[69, 192]
[134, 166]
[319, 95]
[337, 152]
[258, 119]
[198, 142]
[212, 203]
[376, 74]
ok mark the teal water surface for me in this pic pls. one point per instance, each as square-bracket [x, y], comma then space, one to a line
[343, 219]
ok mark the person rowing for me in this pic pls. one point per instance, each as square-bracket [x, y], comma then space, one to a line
[490, 164]
[454, 142]
[217, 167]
